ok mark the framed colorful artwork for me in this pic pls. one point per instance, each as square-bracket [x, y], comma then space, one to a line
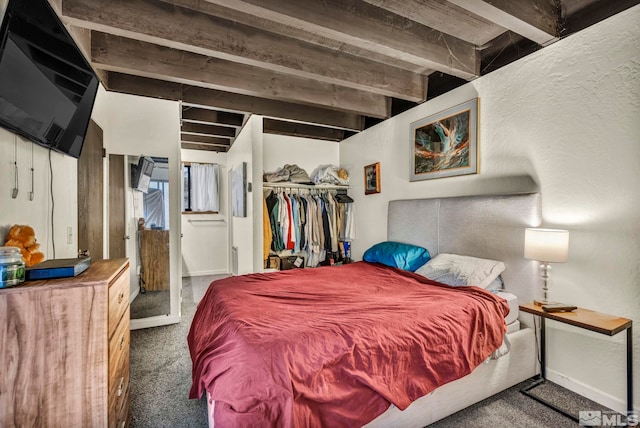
[372, 178]
[446, 144]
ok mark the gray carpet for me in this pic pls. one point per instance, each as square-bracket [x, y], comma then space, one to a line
[161, 374]
[161, 379]
[511, 408]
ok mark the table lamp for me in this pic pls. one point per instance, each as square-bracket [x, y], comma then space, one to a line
[546, 246]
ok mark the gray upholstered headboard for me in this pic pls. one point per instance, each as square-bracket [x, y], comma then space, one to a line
[490, 227]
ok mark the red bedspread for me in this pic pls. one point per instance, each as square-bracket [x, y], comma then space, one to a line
[333, 346]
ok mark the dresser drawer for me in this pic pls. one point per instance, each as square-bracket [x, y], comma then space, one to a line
[118, 300]
[119, 368]
[119, 347]
[122, 421]
[119, 395]
[119, 399]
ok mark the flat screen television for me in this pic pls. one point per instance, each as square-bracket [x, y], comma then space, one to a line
[141, 174]
[47, 88]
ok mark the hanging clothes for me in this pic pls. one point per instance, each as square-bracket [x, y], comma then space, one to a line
[267, 234]
[290, 234]
[283, 218]
[349, 233]
[310, 223]
[273, 202]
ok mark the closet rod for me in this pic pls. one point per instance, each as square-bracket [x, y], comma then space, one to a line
[306, 186]
[198, 220]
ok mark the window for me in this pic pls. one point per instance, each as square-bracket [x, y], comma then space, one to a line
[156, 200]
[156, 210]
[200, 187]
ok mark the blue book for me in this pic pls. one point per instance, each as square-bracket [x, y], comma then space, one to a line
[58, 268]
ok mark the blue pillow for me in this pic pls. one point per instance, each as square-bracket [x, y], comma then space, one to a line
[396, 254]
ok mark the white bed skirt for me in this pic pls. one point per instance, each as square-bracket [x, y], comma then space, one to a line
[486, 380]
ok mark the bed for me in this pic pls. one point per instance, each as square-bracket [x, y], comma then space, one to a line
[315, 380]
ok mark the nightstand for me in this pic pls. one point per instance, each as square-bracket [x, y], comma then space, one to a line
[589, 320]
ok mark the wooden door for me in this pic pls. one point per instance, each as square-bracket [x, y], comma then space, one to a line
[90, 194]
[117, 232]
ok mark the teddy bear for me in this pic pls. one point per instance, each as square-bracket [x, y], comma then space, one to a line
[24, 238]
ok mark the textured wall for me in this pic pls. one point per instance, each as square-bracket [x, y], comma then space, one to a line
[37, 213]
[248, 148]
[304, 152]
[566, 118]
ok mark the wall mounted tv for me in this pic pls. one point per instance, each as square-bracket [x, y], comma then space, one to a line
[47, 88]
[141, 174]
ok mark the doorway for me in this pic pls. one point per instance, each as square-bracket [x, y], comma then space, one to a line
[90, 194]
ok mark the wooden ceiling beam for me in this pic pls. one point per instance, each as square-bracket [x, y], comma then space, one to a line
[356, 23]
[190, 138]
[197, 115]
[236, 103]
[280, 127]
[184, 29]
[272, 108]
[115, 53]
[239, 15]
[213, 130]
[207, 147]
[143, 87]
[537, 20]
[444, 16]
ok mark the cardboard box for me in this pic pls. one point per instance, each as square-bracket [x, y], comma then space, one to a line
[272, 262]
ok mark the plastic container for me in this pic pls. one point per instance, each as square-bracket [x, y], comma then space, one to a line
[11, 267]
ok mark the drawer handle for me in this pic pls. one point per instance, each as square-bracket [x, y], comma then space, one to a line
[120, 297]
[121, 387]
[121, 341]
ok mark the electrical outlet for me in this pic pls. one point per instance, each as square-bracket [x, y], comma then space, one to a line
[69, 235]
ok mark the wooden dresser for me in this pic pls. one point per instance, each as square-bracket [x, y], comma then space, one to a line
[64, 350]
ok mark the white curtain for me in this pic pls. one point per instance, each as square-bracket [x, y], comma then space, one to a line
[204, 187]
[154, 209]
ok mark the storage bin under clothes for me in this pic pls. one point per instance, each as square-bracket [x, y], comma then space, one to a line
[291, 262]
[275, 262]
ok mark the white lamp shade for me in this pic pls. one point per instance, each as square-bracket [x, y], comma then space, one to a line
[546, 245]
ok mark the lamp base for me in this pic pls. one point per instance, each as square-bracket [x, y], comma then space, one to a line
[544, 302]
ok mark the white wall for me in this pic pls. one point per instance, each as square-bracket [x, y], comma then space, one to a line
[308, 154]
[256, 195]
[205, 245]
[247, 231]
[567, 116]
[37, 213]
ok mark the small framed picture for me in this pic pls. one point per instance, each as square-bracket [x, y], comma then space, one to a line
[372, 178]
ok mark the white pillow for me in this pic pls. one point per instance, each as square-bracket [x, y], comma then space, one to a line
[453, 269]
